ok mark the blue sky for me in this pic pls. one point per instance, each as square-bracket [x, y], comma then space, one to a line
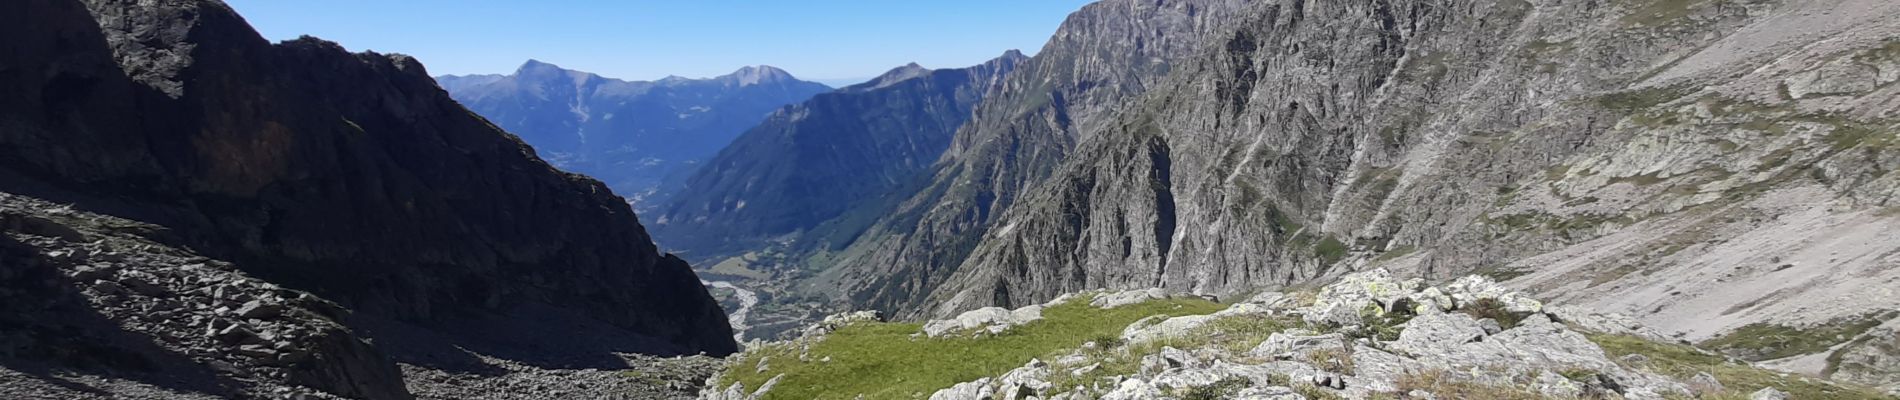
[646, 39]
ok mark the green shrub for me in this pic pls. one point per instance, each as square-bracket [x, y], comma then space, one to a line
[1493, 309]
[1222, 389]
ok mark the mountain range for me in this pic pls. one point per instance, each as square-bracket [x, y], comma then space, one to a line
[1314, 199]
[1703, 166]
[637, 136]
[840, 152]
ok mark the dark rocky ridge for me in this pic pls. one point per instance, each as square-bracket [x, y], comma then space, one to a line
[351, 176]
[640, 137]
[839, 152]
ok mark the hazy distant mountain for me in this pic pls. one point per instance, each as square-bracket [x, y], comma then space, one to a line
[632, 135]
[822, 158]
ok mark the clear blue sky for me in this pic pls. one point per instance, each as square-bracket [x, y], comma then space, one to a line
[647, 39]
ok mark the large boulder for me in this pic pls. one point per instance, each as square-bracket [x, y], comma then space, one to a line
[1141, 332]
[992, 320]
[1294, 344]
[1129, 297]
[979, 389]
[1438, 333]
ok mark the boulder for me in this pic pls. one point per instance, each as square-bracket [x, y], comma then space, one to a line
[1554, 385]
[1438, 333]
[1133, 389]
[1294, 343]
[258, 309]
[1840, 77]
[1168, 328]
[1029, 380]
[1130, 297]
[1768, 393]
[979, 389]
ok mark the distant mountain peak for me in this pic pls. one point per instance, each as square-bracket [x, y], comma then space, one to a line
[1013, 55]
[895, 75]
[542, 71]
[533, 65]
[759, 74]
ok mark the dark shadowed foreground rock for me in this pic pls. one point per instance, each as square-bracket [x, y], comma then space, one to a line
[306, 173]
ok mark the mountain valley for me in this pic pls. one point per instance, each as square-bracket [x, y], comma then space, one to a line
[1168, 199]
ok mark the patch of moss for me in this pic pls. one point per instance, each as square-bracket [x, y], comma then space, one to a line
[1284, 222]
[1330, 250]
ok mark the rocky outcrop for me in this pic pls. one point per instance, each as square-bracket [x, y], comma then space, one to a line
[97, 293]
[1434, 350]
[640, 137]
[310, 171]
[1872, 359]
[836, 157]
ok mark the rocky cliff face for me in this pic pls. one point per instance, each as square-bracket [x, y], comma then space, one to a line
[1701, 165]
[1103, 54]
[838, 153]
[327, 174]
[636, 136]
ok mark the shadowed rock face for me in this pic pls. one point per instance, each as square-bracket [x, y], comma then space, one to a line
[641, 138]
[348, 175]
[841, 152]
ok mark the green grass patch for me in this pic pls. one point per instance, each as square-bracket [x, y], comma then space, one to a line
[1236, 334]
[1683, 362]
[883, 361]
[1761, 341]
[1330, 250]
